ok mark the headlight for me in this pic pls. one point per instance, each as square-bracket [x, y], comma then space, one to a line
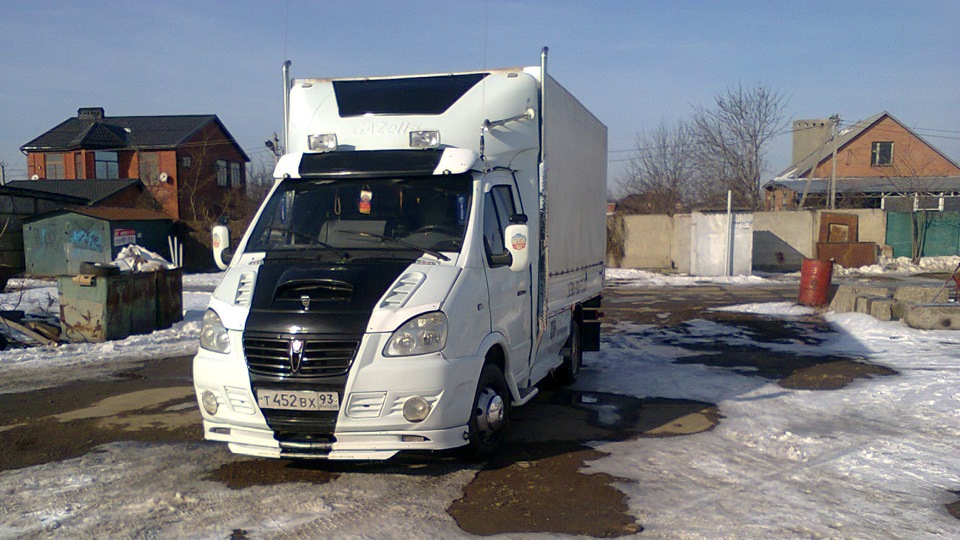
[213, 335]
[420, 335]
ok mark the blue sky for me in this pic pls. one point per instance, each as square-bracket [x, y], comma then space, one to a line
[633, 63]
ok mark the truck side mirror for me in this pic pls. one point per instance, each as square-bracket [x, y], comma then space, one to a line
[222, 254]
[517, 238]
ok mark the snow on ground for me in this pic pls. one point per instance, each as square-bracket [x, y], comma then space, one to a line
[876, 459]
[643, 278]
[22, 369]
[903, 266]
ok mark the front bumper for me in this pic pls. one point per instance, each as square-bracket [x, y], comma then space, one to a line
[370, 422]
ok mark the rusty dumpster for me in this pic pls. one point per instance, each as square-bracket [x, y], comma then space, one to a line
[102, 308]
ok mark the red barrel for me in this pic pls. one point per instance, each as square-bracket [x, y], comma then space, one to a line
[815, 276]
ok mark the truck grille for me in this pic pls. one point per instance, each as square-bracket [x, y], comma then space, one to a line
[271, 357]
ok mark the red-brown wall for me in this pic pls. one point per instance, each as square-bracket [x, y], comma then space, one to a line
[911, 156]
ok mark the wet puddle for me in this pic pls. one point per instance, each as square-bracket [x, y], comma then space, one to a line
[784, 350]
[536, 483]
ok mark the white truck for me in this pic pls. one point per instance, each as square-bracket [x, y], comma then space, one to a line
[433, 247]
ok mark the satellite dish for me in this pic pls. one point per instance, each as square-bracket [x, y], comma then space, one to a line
[164, 177]
[35, 177]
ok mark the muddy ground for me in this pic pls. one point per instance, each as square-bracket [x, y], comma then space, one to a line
[534, 485]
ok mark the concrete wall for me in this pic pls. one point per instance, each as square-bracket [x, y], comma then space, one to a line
[680, 245]
[781, 240]
[648, 241]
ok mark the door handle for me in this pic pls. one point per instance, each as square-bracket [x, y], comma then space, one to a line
[521, 293]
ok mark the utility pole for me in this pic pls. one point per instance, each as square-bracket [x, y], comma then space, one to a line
[833, 162]
[275, 147]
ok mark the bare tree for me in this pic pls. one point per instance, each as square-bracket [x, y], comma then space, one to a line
[659, 171]
[730, 140]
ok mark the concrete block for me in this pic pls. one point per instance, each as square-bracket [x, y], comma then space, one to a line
[921, 295]
[845, 299]
[883, 309]
[933, 316]
[876, 306]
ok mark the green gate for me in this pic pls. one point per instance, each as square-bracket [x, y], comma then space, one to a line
[942, 234]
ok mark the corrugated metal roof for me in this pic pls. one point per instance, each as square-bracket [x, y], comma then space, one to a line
[79, 191]
[110, 213]
[942, 184]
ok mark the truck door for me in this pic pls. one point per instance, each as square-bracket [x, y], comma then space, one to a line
[510, 298]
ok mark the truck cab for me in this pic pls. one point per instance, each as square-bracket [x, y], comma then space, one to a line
[393, 291]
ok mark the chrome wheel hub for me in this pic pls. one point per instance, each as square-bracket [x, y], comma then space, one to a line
[490, 411]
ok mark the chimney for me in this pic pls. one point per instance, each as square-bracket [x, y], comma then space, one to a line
[809, 136]
[90, 113]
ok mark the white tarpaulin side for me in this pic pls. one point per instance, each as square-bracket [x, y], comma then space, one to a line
[575, 155]
[721, 244]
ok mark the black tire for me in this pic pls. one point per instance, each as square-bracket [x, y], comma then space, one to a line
[569, 370]
[490, 415]
[98, 269]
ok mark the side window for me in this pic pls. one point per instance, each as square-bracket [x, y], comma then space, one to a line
[497, 209]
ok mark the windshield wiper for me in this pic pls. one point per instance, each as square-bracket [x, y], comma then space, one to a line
[399, 242]
[311, 240]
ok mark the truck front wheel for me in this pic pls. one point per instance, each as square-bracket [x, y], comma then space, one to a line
[568, 372]
[491, 413]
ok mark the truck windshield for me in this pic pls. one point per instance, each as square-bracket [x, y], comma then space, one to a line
[428, 214]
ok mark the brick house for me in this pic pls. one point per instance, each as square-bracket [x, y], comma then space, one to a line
[188, 163]
[881, 163]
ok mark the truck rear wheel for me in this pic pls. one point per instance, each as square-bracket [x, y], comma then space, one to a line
[568, 372]
[491, 413]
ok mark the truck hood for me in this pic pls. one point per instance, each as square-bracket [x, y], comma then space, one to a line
[311, 298]
[340, 299]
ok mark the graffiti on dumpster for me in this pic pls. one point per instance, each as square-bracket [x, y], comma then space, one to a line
[86, 239]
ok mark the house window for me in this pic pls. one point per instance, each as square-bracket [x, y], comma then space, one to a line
[221, 173]
[149, 168]
[882, 154]
[54, 165]
[79, 171]
[106, 165]
[185, 162]
[235, 180]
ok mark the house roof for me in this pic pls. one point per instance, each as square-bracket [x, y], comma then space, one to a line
[941, 184]
[806, 165]
[82, 192]
[124, 132]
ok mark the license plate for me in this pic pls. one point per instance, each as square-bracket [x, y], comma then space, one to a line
[298, 400]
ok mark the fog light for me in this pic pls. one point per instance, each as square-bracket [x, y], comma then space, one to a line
[416, 409]
[424, 139]
[322, 142]
[209, 402]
